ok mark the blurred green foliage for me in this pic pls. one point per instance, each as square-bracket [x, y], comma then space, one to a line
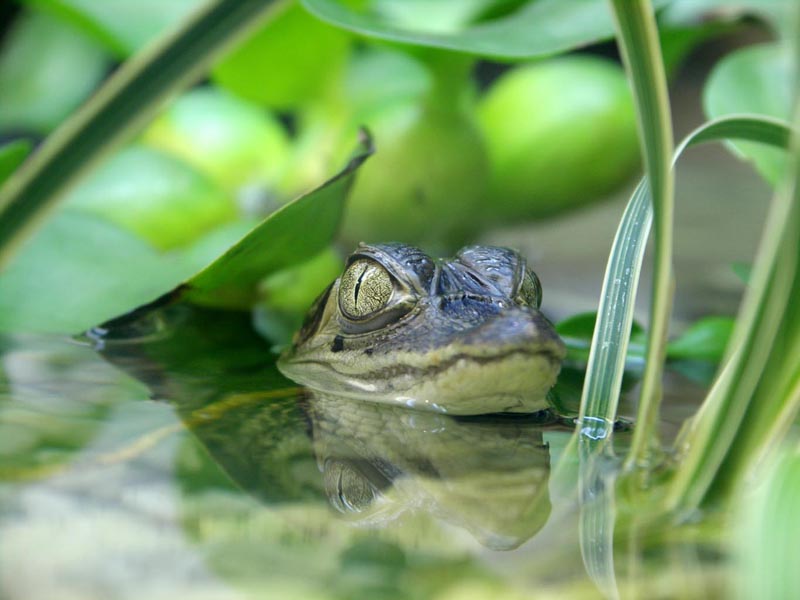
[47, 68]
[457, 151]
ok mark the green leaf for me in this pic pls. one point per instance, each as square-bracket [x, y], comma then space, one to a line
[11, 156]
[756, 80]
[269, 69]
[47, 69]
[290, 235]
[580, 326]
[132, 95]
[537, 28]
[743, 271]
[78, 271]
[155, 196]
[706, 339]
[125, 27]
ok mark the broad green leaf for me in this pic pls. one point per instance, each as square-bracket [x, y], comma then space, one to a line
[706, 339]
[378, 76]
[756, 80]
[435, 16]
[290, 235]
[229, 139]
[537, 28]
[155, 196]
[122, 25]
[579, 326]
[290, 61]
[47, 69]
[577, 332]
[132, 95]
[11, 156]
[79, 270]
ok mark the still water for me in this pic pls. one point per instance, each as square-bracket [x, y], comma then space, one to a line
[167, 458]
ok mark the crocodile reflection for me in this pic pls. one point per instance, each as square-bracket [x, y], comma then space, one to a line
[488, 475]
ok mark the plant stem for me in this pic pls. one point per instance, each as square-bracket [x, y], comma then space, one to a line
[638, 41]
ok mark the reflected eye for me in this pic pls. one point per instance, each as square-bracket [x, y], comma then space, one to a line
[530, 292]
[365, 288]
[348, 490]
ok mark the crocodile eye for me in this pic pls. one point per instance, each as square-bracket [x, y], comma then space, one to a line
[365, 288]
[530, 292]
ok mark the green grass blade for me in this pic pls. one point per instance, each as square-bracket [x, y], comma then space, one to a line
[637, 36]
[766, 544]
[126, 101]
[615, 314]
[609, 347]
[759, 383]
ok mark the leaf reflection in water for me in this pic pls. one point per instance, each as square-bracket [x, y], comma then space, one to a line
[373, 462]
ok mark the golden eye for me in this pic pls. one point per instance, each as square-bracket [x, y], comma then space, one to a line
[365, 288]
[530, 292]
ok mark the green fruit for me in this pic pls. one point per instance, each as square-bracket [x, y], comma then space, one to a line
[375, 79]
[559, 133]
[228, 139]
[155, 196]
[289, 61]
[426, 180]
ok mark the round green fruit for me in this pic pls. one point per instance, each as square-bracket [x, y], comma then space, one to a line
[232, 141]
[291, 60]
[425, 182]
[559, 133]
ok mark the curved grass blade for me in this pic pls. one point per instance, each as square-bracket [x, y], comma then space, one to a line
[766, 543]
[609, 349]
[757, 395]
[126, 101]
[615, 313]
[637, 38]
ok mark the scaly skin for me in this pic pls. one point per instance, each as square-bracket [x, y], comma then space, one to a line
[462, 336]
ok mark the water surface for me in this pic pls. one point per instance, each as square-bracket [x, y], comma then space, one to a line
[169, 459]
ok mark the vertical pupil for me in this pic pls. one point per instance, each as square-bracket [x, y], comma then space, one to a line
[365, 288]
[358, 285]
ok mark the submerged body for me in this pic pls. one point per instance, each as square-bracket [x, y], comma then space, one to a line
[463, 335]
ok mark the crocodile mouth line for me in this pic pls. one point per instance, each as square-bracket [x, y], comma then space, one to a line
[401, 369]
